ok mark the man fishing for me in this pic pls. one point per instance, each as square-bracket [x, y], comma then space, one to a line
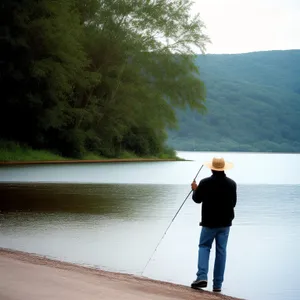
[218, 196]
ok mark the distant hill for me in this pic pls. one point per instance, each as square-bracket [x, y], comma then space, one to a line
[253, 104]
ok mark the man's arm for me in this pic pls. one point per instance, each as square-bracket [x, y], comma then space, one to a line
[234, 196]
[198, 192]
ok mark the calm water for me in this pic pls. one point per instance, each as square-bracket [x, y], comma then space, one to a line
[112, 216]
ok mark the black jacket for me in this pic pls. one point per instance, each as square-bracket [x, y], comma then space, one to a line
[218, 197]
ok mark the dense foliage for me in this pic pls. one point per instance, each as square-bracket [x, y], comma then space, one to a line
[101, 76]
[253, 104]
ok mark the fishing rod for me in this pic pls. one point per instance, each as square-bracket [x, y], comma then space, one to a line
[171, 222]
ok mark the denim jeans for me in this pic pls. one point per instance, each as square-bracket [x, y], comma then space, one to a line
[208, 235]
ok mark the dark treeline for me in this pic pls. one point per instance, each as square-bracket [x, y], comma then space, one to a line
[99, 76]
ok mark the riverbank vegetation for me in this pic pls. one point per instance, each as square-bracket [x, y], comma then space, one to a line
[14, 152]
[97, 76]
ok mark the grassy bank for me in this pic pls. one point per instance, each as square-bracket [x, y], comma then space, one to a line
[14, 152]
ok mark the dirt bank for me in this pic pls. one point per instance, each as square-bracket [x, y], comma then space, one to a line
[25, 276]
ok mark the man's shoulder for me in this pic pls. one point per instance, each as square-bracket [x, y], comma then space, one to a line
[231, 181]
[210, 178]
[205, 180]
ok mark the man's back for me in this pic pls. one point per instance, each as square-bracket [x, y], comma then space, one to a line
[218, 197]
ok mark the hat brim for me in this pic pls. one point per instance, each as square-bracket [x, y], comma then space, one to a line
[227, 166]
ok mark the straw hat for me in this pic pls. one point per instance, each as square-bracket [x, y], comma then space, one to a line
[218, 164]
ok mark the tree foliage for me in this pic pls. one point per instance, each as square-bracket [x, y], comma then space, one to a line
[100, 75]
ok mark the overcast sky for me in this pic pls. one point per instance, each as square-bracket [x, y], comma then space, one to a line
[238, 26]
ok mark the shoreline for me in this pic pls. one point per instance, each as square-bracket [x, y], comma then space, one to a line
[44, 276]
[89, 161]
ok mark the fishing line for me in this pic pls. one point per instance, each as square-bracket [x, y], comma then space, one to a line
[171, 222]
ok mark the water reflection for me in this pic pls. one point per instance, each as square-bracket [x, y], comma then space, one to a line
[121, 201]
[88, 224]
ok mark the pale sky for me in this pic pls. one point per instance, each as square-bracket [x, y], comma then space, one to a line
[239, 26]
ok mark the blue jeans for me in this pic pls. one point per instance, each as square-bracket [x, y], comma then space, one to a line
[206, 239]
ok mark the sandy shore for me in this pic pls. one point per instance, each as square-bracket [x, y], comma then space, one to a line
[26, 276]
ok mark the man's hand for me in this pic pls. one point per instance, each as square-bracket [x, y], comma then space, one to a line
[194, 185]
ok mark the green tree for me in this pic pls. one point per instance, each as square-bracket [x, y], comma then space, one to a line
[100, 75]
[45, 59]
[143, 78]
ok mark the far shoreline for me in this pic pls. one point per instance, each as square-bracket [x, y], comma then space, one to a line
[90, 161]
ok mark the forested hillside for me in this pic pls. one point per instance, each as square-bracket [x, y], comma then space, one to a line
[97, 76]
[253, 104]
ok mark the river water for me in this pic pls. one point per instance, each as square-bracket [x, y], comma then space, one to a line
[111, 216]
